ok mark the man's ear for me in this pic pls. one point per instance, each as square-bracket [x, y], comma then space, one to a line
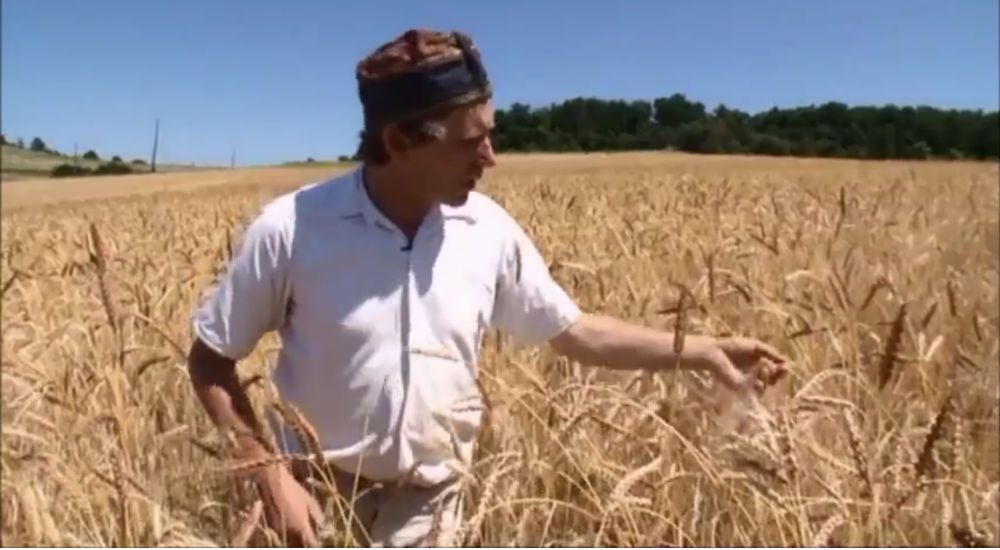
[396, 144]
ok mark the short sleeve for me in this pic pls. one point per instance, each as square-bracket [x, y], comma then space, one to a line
[251, 298]
[530, 306]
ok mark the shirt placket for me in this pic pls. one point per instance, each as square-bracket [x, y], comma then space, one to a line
[409, 248]
[413, 250]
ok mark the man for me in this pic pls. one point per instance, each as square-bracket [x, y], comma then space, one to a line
[382, 283]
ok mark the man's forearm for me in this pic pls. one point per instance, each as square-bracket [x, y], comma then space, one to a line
[218, 388]
[609, 342]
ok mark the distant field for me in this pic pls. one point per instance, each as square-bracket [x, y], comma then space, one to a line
[17, 164]
[36, 192]
[319, 163]
[878, 279]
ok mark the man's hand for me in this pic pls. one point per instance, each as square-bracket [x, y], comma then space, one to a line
[290, 509]
[746, 363]
[739, 363]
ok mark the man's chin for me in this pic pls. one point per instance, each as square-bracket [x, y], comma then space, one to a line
[458, 199]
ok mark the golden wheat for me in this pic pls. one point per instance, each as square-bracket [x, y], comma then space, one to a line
[104, 443]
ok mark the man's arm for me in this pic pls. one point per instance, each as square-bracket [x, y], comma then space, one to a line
[600, 340]
[218, 388]
[609, 342]
[249, 300]
[289, 507]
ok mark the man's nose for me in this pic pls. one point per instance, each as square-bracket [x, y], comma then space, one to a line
[486, 154]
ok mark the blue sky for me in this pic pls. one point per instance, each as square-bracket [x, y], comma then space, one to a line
[274, 80]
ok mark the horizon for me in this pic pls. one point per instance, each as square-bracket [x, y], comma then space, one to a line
[220, 79]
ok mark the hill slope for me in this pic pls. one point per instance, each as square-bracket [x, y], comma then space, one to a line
[17, 163]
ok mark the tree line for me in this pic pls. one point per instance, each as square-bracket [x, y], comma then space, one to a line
[677, 123]
[37, 145]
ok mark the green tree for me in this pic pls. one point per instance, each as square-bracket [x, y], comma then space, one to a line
[38, 145]
[832, 129]
[676, 111]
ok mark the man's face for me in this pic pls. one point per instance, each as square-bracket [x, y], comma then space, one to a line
[447, 169]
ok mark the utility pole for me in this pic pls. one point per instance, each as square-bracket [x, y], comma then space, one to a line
[156, 142]
[75, 161]
[232, 160]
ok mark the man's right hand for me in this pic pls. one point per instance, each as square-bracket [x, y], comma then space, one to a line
[290, 509]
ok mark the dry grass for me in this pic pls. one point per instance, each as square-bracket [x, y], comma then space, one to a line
[104, 444]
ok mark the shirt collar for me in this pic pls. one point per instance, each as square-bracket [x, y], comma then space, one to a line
[358, 203]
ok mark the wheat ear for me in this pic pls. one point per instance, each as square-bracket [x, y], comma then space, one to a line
[304, 430]
[824, 536]
[966, 537]
[786, 447]
[926, 458]
[100, 260]
[680, 324]
[891, 352]
[468, 532]
[950, 291]
[621, 490]
[857, 452]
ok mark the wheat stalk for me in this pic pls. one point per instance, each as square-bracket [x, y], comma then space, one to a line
[434, 533]
[118, 478]
[61, 387]
[248, 466]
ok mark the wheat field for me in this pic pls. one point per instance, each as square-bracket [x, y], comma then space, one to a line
[877, 279]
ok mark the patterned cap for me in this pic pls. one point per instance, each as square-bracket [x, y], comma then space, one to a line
[420, 72]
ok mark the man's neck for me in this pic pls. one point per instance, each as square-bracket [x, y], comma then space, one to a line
[391, 194]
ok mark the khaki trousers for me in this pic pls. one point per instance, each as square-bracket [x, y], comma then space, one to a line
[387, 515]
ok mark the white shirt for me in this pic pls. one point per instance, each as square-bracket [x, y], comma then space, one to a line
[379, 342]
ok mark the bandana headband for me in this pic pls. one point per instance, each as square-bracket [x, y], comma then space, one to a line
[425, 88]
